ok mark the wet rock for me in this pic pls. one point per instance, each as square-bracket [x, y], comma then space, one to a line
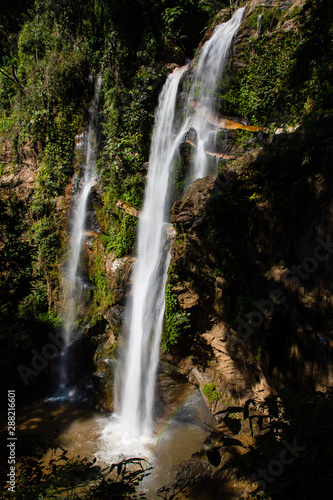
[128, 208]
[114, 316]
[220, 122]
[189, 209]
[223, 156]
[119, 273]
[186, 296]
[103, 376]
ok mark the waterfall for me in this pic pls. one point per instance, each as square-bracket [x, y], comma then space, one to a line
[73, 286]
[135, 379]
[202, 94]
[147, 309]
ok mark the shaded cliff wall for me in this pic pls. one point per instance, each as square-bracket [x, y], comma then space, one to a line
[255, 271]
[251, 267]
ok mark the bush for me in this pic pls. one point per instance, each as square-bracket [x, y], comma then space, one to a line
[125, 239]
[210, 392]
[176, 321]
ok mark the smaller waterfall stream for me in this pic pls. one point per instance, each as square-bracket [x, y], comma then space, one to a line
[73, 287]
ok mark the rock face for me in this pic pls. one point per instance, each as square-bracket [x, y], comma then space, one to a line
[244, 266]
[258, 325]
[222, 123]
[20, 177]
[255, 272]
[103, 376]
[128, 208]
[231, 363]
[283, 5]
[118, 273]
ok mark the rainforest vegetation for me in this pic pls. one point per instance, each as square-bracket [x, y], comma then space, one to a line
[49, 50]
[279, 78]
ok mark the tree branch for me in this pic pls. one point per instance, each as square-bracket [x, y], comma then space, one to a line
[12, 79]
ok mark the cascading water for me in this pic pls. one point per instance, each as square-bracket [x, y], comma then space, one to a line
[259, 23]
[147, 308]
[135, 382]
[73, 287]
[130, 430]
[208, 72]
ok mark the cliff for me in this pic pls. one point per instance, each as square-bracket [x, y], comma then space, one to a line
[244, 269]
[249, 291]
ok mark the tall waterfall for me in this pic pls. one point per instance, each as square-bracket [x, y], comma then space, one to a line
[135, 382]
[147, 308]
[73, 286]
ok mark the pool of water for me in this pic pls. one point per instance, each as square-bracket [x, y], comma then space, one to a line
[82, 430]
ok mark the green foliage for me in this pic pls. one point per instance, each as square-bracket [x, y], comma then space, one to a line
[313, 69]
[177, 33]
[211, 393]
[15, 257]
[267, 21]
[134, 191]
[262, 89]
[180, 171]
[44, 239]
[244, 138]
[57, 165]
[176, 321]
[258, 354]
[48, 71]
[129, 113]
[125, 239]
[43, 90]
[75, 478]
[12, 14]
[51, 318]
[102, 295]
[283, 74]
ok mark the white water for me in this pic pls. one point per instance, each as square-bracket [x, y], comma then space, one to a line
[211, 65]
[135, 408]
[132, 425]
[73, 287]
